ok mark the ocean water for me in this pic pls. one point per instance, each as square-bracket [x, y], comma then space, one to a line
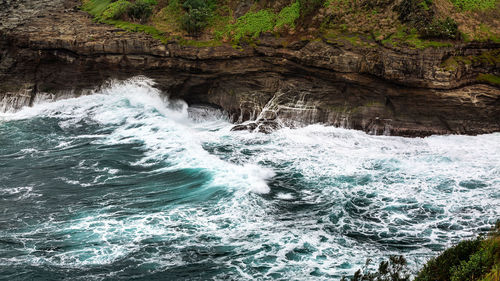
[125, 184]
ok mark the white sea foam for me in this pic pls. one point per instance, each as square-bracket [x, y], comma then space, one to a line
[362, 194]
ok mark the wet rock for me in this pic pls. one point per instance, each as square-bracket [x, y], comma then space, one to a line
[267, 127]
[375, 89]
[245, 127]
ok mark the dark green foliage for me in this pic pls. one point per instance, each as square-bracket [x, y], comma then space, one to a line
[470, 260]
[441, 29]
[197, 14]
[308, 7]
[420, 15]
[415, 12]
[195, 20]
[438, 269]
[199, 4]
[141, 9]
[393, 270]
[479, 264]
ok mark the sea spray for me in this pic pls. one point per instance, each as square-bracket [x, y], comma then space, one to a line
[126, 183]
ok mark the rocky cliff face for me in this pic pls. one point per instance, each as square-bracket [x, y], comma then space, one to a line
[51, 49]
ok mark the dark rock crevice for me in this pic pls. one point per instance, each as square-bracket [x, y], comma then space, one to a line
[379, 90]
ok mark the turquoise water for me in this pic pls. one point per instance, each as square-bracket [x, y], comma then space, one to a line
[125, 184]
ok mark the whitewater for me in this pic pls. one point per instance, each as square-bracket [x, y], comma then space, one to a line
[127, 184]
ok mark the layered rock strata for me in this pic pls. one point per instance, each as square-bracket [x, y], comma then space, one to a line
[53, 49]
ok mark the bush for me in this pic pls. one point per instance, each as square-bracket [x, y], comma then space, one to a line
[197, 14]
[415, 12]
[438, 269]
[141, 9]
[479, 263]
[470, 260]
[443, 29]
[115, 10]
[195, 20]
[419, 14]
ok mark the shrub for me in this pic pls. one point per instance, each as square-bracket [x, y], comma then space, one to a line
[470, 260]
[414, 12]
[115, 10]
[197, 15]
[419, 14]
[438, 269]
[195, 20]
[479, 263]
[444, 29]
[141, 9]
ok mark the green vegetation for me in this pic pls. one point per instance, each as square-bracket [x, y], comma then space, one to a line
[410, 38]
[95, 7]
[469, 260]
[134, 27]
[111, 13]
[115, 10]
[438, 268]
[141, 10]
[446, 29]
[288, 16]
[486, 58]
[169, 17]
[253, 24]
[489, 78]
[103, 10]
[467, 5]
[411, 23]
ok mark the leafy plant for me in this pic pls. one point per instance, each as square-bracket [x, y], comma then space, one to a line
[115, 10]
[196, 18]
[414, 12]
[466, 5]
[470, 260]
[438, 269]
[141, 9]
[253, 24]
[444, 29]
[288, 16]
[479, 263]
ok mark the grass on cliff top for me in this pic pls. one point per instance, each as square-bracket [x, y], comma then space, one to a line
[167, 21]
[468, 5]
[358, 23]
